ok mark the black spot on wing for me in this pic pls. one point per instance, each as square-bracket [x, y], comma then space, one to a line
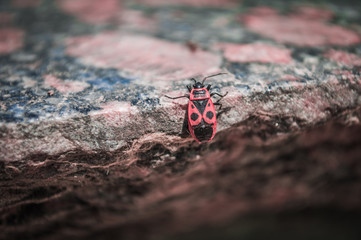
[194, 116]
[209, 114]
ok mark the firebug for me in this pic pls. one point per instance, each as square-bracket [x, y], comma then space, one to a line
[202, 121]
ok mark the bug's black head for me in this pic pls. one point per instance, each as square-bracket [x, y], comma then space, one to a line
[198, 85]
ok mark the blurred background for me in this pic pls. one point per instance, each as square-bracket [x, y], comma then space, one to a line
[90, 148]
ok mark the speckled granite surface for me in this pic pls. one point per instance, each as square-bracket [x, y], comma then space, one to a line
[81, 86]
[85, 74]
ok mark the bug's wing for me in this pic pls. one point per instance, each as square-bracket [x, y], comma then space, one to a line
[209, 114]
[194, 116]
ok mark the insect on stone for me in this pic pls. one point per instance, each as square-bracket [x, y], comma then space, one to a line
[202, 121]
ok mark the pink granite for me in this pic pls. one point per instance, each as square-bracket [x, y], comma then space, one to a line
[193, 3]
[256, 52]
[146, 57]
[298, 29]
[343, 57]
[11, 39]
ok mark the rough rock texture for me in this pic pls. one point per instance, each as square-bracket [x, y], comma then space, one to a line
[90, 148]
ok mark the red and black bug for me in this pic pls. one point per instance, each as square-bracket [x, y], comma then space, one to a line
[202, 121]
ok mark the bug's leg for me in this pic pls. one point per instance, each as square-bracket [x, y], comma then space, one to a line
[209, 87]
[219, 104]
[222, 96]
[212, 94]
[189, 87]
[185, 131]
[218, 101]
[186, 96]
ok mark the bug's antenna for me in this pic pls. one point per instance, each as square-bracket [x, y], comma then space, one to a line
[195, 81]
[204, 79]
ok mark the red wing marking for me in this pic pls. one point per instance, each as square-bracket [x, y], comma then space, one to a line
[202, 126]
[194, 116]
[209, 114]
